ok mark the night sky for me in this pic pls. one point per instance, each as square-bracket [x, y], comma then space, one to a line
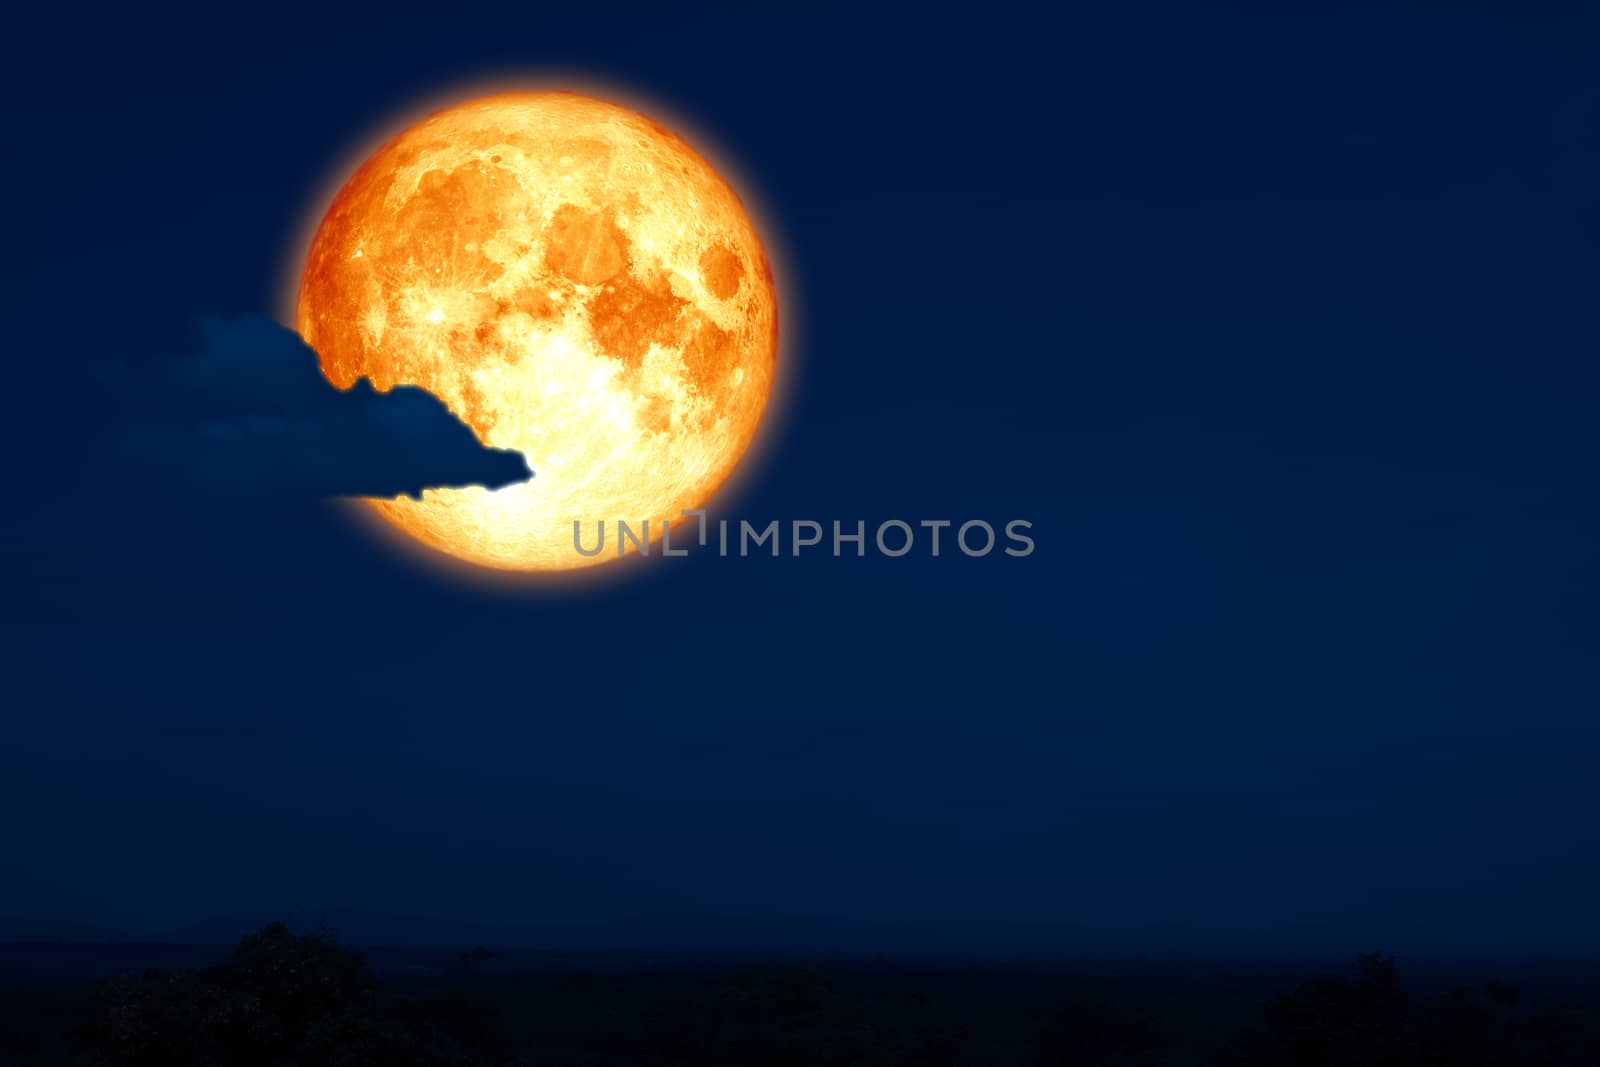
[1280, 329]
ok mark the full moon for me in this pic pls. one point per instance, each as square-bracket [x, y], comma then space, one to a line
[574, 282]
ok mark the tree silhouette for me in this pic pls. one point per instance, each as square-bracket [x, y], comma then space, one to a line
[1369, 1019]
[285, 999]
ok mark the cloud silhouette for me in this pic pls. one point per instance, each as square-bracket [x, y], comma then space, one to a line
[251, 412]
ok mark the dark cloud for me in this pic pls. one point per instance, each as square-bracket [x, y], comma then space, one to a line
[251, 412]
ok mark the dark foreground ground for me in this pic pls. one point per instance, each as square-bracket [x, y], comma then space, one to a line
[283, 999]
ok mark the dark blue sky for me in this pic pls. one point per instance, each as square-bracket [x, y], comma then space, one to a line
[1279, 328]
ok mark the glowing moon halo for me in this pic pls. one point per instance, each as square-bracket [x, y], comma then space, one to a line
[574, 282]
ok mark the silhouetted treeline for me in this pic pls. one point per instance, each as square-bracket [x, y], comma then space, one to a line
[287, 1000]
[1370, 1018]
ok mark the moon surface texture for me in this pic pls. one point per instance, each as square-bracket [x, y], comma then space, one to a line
[574, 282]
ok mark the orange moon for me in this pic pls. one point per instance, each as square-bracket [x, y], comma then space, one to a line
[574, 282]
